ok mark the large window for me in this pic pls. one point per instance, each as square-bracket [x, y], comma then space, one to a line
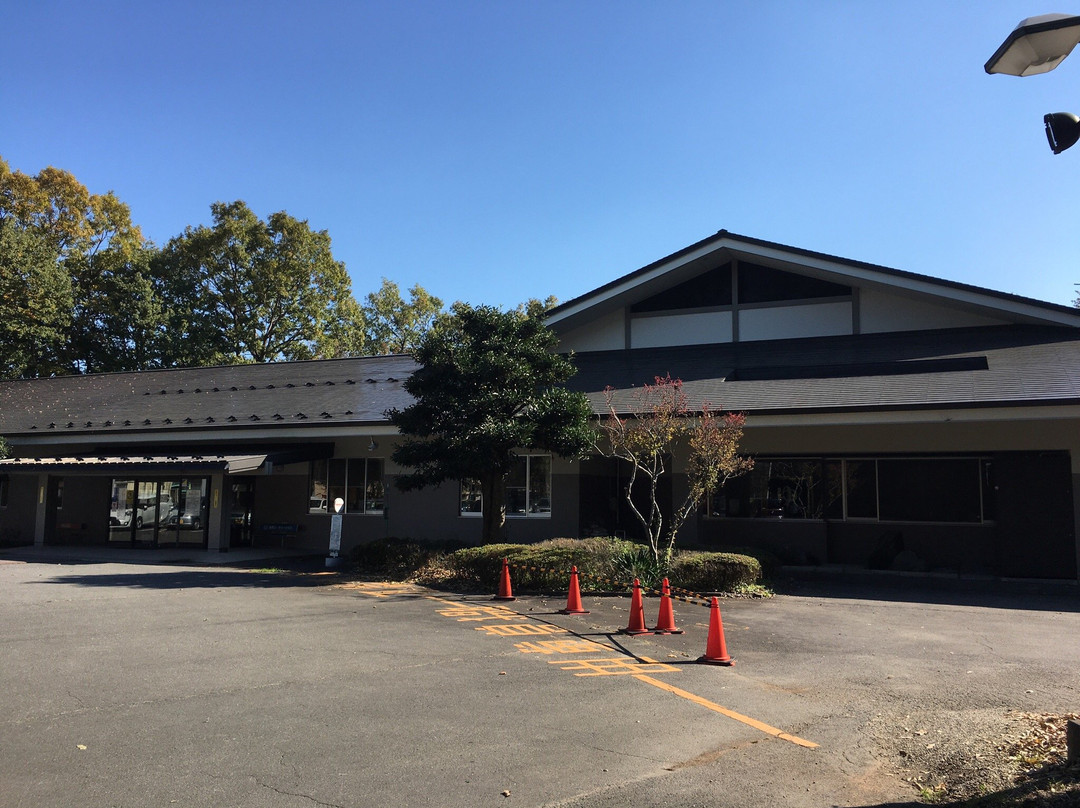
[781, 488]
[358, 481]
[528, 489]
[886, 489]
[159, 512]
[3, 490]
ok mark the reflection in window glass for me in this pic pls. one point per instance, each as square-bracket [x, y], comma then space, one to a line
[335, 483]
[775, 488]
[540, 484]
[317, 489]
[358, 481]
[374, 493]
[471, 497]
[897, 489]
[989, 491]
[930, 490]
[862, 489]
[528, 489]
[517, 500]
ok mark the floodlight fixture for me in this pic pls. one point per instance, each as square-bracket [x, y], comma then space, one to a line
[1062, 130]
[1036, 45]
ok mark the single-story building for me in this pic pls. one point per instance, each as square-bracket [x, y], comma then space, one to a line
[897, 421]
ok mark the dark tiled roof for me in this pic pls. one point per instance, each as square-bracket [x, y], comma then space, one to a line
[1023, 365]
[286, 394]
[1003, 365]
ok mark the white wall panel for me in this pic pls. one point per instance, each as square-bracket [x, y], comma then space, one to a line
[789, 322]
[699, 328]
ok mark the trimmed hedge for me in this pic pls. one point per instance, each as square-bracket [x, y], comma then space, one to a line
[542, 567]
[714, 572]
[604, 565]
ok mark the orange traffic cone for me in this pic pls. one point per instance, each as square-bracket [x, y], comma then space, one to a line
[715, 648]
[505, 592]
[637, 613]
[665, 621]
[573, 600]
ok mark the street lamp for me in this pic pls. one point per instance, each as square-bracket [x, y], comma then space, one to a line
[1038, 45]
[1062, 130]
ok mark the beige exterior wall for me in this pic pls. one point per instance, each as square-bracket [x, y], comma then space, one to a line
[881, 311]
[607, 333]
[950, 436]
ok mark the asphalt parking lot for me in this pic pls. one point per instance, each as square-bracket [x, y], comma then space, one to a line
[140, 685]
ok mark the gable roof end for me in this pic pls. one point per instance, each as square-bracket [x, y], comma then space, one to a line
[723, 245]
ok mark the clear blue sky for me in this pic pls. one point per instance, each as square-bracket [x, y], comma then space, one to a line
[496, 151]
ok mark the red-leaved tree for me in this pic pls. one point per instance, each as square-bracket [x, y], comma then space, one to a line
[648, 430]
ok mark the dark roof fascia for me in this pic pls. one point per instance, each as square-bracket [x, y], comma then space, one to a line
[311, 423]
[886, 408]
[252, 367]
[923, 407]
[720, 235]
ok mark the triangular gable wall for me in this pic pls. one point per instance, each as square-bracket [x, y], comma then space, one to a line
[733, 289]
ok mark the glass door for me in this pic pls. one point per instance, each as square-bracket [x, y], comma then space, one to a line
[144, 515]
[243, 497]
[192, 511]
[121, 509]
[159, 513]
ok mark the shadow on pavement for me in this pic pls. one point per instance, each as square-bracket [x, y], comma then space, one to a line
[194, 579]
[1055, 596]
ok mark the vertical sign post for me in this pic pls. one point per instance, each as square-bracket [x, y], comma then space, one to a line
[335, 533]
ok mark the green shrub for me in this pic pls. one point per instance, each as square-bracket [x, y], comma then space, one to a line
[542, 567]
[714, 572]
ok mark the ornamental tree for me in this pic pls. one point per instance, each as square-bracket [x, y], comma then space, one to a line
[488, 386]
[647, 431]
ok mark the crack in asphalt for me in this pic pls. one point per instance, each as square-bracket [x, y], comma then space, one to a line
[285, 793]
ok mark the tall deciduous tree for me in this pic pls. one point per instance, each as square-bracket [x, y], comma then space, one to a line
[535, 307]
[396, 326]
[74, 246]
[646, 432]
[488, 385]
[245, 290]
[35, 304]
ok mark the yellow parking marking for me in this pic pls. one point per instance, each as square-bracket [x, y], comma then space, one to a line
[752, 722]
[378, 589]
[560, 647]
[518, 629]
[619, 666]
[465, 613]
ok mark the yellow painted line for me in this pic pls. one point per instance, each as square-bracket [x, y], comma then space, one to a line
[751, 722]
[380, 590]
